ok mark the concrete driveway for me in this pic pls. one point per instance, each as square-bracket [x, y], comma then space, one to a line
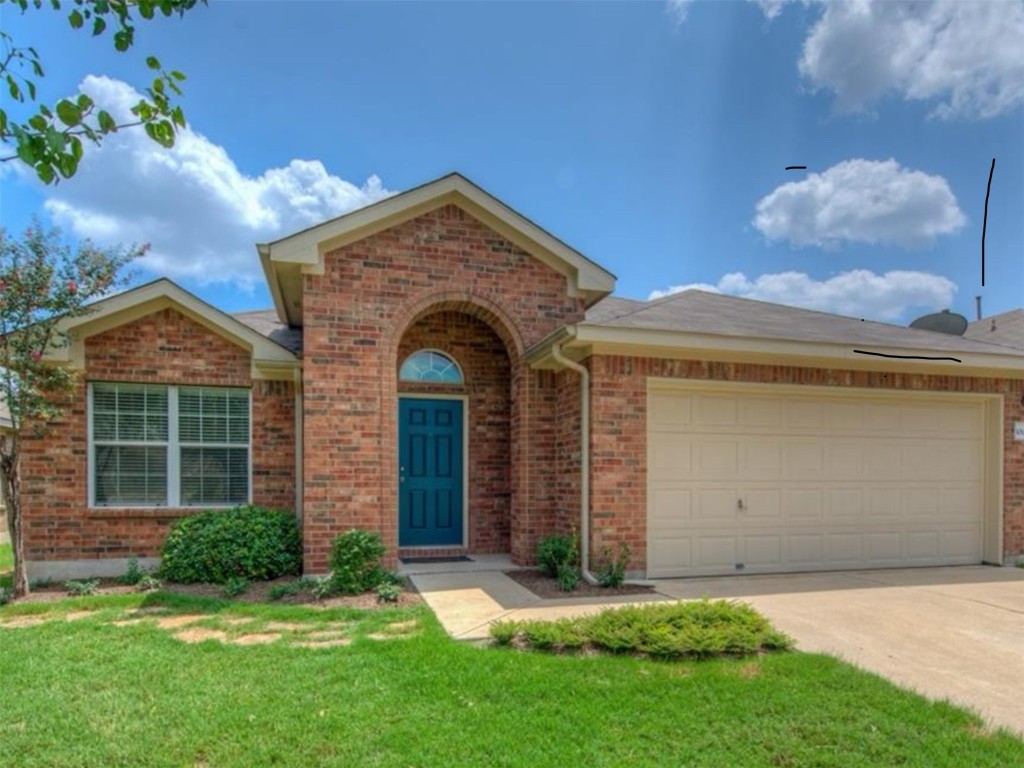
[948, 633]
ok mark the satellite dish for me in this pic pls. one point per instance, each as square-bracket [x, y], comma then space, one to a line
[942, 322]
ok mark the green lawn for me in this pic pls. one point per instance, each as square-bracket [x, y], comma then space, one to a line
[6, 558]
[85, 692]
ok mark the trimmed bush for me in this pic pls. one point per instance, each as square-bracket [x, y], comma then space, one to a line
[356, 562]
[242, 543]
[698, 629]
[552, 552]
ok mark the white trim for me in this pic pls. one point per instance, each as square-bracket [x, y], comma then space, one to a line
[465, 462]
[307, 247]
[447, 356]
[173, 446]
[992, 511]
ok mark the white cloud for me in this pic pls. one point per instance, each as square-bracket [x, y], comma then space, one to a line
[860, 201]
[967, 58]
[678, 9]
[200, 212]
[856, 293]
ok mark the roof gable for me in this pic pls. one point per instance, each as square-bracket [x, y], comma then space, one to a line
[1006, 329]
[286, 260]
[269, 359]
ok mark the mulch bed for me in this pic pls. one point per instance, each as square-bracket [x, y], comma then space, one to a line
[258, 592]
[547, 587]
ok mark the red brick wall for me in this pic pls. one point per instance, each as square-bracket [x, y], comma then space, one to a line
[162, 348]
[619, 434]
[355, 315]
[485, 366]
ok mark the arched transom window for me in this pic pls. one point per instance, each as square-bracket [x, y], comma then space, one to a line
[429, 365]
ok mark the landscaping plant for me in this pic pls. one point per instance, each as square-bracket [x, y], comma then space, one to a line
[235, 586]
[612, 571]
[356, 562]
[559, 556]
[82, 588]
[134, 574]
[246, 542]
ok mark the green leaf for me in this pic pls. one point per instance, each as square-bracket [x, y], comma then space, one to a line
[145, 9]
[31, 89]
[38, 122]
[26, 152]
[76, 19]
[177, 75]
[12, 86]
[55, 140]
[106, 122]
[152, 62]
[76, 147]
[84, 103]
[45, 173]
[122, 40]
[68, 113]
[98, 25]
[67, 165]
[3, 124]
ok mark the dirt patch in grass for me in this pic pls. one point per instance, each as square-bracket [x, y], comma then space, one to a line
[199, 634]
[24, 621]
[260, 638]
[173, 622]
[546, 587]
[258, 592]
[76, 615]
[337, 642]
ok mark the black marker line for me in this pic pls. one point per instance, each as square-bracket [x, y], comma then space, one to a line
[984, 225]
[907, 357]
[796, 167]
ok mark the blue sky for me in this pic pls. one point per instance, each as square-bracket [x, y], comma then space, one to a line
[652, 137]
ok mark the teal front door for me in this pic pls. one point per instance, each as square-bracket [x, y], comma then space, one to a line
[429, 472]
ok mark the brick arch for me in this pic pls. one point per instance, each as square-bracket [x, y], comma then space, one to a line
[482, 308]
[467, 302]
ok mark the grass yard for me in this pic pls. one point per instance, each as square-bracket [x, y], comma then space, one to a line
[79, 690]
[6, 558]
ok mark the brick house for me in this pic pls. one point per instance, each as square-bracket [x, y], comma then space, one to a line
[442, 370]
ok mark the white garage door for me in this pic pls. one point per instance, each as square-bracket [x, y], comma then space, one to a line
[757, 482]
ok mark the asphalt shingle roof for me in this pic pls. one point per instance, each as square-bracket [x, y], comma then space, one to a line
[1006, 329]
[266, 322]
[696, 311]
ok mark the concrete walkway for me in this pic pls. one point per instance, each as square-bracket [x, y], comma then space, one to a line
[948, 633]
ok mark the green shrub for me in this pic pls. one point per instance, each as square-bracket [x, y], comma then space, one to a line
[356, 562]
[82, 588]
[247, 542]
[1020, 562]
[322, 586]
[552, 552]
[663, 630]
[612, 570]
[569, 577]
[148, 583]
[235, 586]
[133, 575]
[388, 592]
[6, 595]
[279, 591]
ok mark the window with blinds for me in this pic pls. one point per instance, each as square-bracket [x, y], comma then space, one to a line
[213, 434]
[168, 446]
[130, 442]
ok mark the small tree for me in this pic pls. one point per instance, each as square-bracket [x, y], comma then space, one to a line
[42, 283]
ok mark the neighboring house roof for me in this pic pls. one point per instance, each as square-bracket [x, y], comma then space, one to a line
[270, 357]
[1006, 329]
[264, 321]
[286, 260]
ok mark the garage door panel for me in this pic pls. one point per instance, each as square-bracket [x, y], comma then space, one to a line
[803, 460]
[802, 504]
[762, 482]
[761, 551]
[671, 508]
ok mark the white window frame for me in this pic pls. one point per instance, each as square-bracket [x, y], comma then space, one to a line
[173, 446]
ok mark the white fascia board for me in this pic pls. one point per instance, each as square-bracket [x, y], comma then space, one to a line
[161, 294]
[677, 344]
